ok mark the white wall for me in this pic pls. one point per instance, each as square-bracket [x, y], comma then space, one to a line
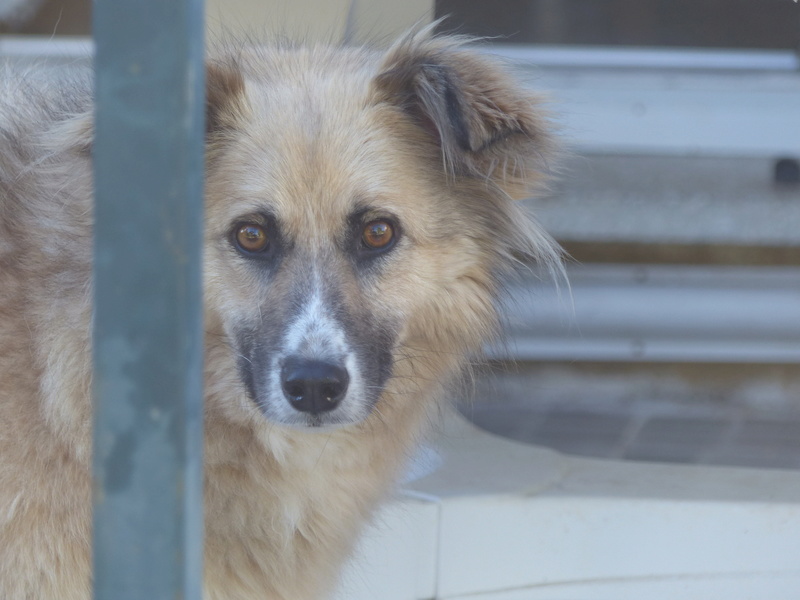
[316, 19]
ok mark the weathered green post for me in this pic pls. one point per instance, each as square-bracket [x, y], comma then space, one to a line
[148, 160]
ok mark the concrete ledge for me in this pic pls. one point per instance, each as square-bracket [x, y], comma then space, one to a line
[506, 521]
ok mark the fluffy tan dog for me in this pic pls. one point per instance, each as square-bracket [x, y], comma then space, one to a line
[360, 215]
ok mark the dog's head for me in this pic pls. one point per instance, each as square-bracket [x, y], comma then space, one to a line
[361, 208]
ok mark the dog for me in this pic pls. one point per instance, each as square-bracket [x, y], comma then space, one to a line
[361, 214]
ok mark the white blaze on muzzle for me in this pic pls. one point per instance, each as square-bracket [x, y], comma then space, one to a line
[315, 377]
[315, 333]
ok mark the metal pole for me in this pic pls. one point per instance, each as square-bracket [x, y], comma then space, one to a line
[148, 160]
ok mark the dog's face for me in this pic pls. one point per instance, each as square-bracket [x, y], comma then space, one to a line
[314, 249]
[352, 230]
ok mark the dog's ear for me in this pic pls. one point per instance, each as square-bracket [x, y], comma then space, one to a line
[225, 97]
[225, 107]
[485, 123]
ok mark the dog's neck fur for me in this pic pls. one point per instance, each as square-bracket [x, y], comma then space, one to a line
[269, 492]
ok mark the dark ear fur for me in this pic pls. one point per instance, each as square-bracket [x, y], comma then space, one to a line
[225, 100]
[486, 124]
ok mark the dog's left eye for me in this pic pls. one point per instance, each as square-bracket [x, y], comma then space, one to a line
[378, 235]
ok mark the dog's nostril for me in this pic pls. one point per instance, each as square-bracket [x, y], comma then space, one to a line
[293, 389]
[331, 391]
[313, 386]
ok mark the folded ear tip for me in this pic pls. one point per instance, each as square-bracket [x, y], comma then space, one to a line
[482, 115]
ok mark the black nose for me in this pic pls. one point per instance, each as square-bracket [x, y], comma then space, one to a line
[313, 386]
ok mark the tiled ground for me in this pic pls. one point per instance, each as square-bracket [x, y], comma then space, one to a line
[738, 416]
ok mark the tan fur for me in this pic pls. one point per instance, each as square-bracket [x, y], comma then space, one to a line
[429, 130]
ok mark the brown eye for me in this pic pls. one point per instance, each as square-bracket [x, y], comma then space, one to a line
[378, 234]
[252, 238]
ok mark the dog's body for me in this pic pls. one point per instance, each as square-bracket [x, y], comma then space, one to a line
[359, 213]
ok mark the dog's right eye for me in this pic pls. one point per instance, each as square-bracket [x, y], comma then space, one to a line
[378, 235]
[251, 238]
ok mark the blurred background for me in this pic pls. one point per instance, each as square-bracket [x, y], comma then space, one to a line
[680, 205]
[678, 201]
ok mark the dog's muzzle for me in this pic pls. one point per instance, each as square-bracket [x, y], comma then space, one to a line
[317, 366]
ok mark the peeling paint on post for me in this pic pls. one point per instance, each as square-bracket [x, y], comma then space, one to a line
[148, 158]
